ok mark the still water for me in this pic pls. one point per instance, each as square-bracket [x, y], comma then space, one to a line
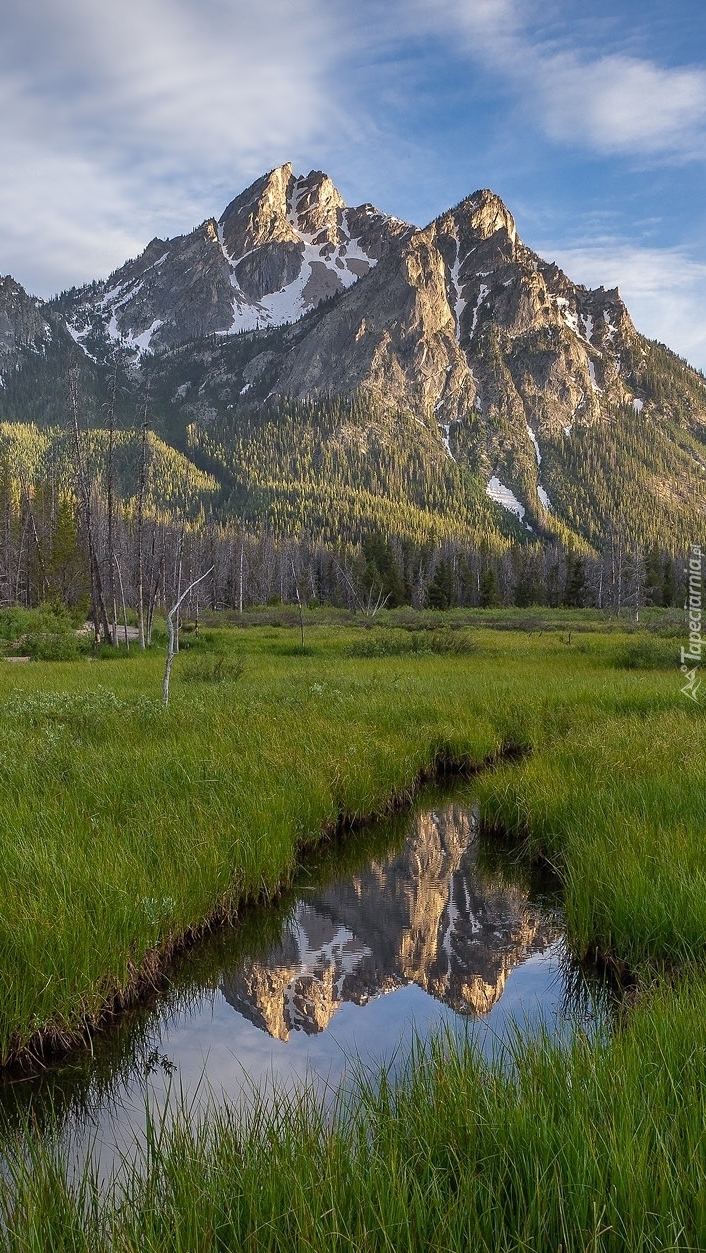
[416, 925]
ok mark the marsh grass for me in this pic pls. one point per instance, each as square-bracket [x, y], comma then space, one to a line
[618, 806]
[216, 668]
[392, 643]
[648, 653]
[124, 824]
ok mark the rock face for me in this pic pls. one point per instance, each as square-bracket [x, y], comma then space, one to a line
[279, 249]
[465, 326]
[426, 917]
[23, 324]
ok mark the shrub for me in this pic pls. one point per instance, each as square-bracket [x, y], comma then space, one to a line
[646, 654]
[51, 646]
[213, 669]
[397, 644]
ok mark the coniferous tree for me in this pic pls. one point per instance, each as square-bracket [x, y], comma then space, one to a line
[489, 588]
[441, 590]
[575, 589]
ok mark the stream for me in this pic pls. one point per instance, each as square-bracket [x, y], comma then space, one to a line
[415, 925]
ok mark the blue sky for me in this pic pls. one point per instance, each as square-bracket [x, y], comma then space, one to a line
[120, 122]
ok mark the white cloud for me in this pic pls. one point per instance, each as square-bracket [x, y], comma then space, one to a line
[621, 105]
[611, 104]
[121, 121]
[662, 287]
[107, 110]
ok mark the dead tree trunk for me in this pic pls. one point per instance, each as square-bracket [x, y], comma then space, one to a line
[98, 611]
[170, 627]
[110, 506]
[122, 598]
[299, 601]
[140, 528]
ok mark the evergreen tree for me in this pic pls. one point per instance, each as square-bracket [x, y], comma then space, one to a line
[654, 579]
[669, 585]
[381, 570]
[575, 588]
[441, 590]
[489, 588]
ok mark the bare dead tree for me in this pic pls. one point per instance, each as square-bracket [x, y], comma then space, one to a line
[240, 579]
[170, 627]
[157, 573]
[140, 524]
[33, 523]
[299, 600]
[122, 598]
[110, 492]
[369, 605]
[98, 611]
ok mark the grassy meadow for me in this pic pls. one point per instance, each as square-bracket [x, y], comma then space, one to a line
[124, 826]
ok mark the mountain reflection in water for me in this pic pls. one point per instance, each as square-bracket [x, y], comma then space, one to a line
[428, 916]
[422, 906]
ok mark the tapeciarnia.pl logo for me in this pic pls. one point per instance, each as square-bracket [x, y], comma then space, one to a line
[691, 657]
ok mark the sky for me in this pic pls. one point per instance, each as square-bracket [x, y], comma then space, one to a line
[119, 122]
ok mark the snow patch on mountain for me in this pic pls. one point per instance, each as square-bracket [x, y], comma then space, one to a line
[78, 338]
[533, 437]
[592, 376]
[326, 269]
[504, 496]
[484, 291]
[459, 301]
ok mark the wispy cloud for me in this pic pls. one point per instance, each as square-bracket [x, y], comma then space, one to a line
[138, 112]
[118, 122]
[610, 104]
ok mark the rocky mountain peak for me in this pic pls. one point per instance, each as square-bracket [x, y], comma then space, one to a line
[484, 214]
[259, 215]
[317, 206]
[462, 346]
[280, 248]
[22, 323]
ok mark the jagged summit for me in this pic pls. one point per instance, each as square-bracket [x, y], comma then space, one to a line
[279, 249]
[22, 323]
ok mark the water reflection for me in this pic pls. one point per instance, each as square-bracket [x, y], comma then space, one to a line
[427, 915]
[418, 924]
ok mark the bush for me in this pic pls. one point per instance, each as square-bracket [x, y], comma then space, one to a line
[16, 622]
[398, 644]
[213, 669]
[51, 646]
[647, 654]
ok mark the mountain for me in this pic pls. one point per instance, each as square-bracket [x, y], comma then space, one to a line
[279, 249]
[338, 369]
[23, 328]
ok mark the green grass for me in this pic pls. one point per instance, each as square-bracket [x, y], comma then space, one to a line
[109, 803]
[617, 804]
[123, 824]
